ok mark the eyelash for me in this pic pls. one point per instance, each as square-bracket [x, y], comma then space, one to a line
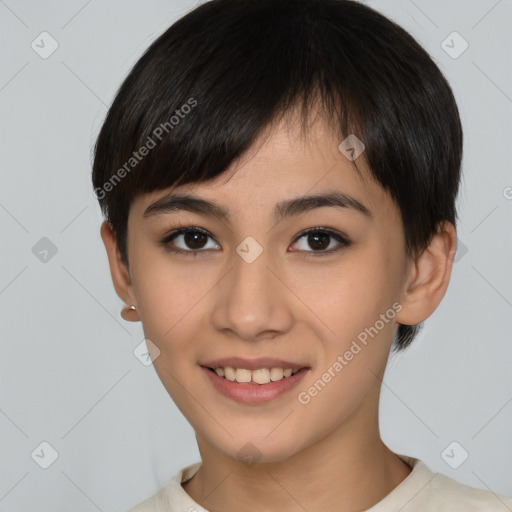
[345, 242]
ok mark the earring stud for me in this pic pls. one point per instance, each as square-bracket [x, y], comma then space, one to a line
[127, 313]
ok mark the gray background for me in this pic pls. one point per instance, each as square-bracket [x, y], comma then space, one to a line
[68, 373]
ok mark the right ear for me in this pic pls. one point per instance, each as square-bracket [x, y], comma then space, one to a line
[120, 274]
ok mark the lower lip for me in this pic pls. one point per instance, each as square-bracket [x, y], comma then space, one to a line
[250, 393]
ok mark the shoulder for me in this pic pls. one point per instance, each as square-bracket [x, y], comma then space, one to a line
[424, 490]
[171, 497]
[445, 494]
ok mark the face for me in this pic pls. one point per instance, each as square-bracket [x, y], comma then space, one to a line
[308, 286]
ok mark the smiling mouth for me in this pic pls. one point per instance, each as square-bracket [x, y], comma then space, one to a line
[259, 376]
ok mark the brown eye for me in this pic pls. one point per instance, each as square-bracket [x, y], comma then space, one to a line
[319, 240]
[194, 239]
[189, 241]
[322, 241]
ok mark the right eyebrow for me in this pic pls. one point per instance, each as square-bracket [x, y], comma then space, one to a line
[174, 203]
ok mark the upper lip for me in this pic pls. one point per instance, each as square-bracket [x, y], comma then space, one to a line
[253, 364]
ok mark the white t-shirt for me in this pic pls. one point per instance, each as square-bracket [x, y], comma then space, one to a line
[421, 491]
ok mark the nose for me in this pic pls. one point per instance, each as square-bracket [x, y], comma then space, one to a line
[252, 302]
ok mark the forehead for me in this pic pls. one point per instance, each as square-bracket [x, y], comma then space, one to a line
[283, 164]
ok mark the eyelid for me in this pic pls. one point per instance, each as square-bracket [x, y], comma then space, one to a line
[342, 239]
[322, 229]
[165, 241]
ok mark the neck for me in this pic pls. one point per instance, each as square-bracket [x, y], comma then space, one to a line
[350, 469]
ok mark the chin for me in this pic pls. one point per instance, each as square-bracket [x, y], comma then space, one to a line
[252, 450]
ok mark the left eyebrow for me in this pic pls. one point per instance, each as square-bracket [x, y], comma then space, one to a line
[282, 210]
[307, 203]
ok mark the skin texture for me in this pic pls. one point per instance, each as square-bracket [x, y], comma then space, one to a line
[326, 454]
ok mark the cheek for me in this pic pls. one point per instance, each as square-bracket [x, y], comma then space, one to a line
[347, 296]
[169, 296]
[170, 304]
[356, 342]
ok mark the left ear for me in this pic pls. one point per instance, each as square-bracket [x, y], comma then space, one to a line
[429, 277]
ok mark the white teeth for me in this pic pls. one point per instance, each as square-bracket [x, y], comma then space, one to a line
[243, 375]
[229, 373]
[276, 374]
[259, 376]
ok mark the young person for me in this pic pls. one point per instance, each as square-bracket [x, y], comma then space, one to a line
[279, 179]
